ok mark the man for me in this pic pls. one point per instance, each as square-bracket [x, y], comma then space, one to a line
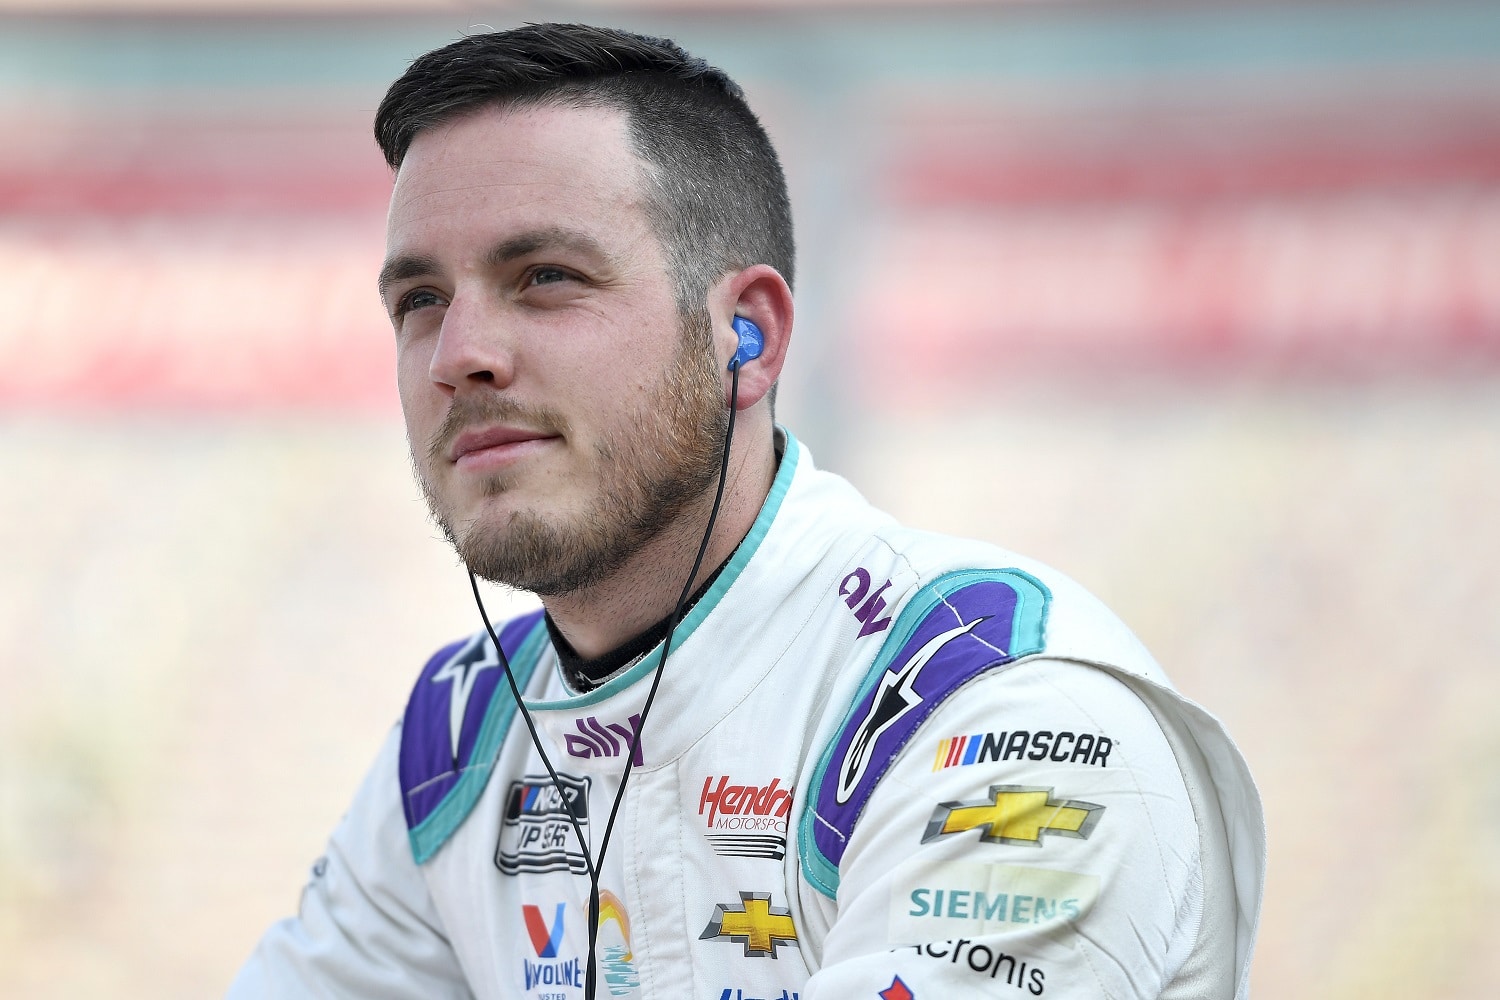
[879, 762]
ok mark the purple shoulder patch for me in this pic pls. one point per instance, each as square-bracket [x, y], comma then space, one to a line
[955, 629]
[445, 713]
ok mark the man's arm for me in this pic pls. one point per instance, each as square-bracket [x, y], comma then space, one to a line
[367, 927]
[1035, 837]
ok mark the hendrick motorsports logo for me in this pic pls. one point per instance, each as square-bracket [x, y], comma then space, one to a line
[745, 821]
[1015, 814]
[535, 833]
[754, 923]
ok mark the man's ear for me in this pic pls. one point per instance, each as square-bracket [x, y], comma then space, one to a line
[759, 294]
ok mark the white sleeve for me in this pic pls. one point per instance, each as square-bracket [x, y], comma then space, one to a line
[367, 927]
[1034, 838]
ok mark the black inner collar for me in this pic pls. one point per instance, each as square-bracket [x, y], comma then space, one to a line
[584, 675]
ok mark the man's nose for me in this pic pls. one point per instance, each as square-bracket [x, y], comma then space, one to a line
[472, 346]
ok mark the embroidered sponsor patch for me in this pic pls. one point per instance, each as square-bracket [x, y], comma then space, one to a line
[754, 923]
[745, 821]
[544, 938]
[992, 963]
[616, 954]
[551, 971]
[950, 632]
[1060, 747]
[897, 991]
[592, 738]
[1015, 814]
[536, 833]
[868, 607]
[967, 899]
[895, 697]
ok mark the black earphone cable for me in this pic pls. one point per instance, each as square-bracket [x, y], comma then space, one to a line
[531, 726]
[594, 864]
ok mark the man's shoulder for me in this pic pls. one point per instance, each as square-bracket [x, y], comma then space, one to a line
[944, 629]
[966, 629]
[1075, 624]
[950, 611]
[455, 721]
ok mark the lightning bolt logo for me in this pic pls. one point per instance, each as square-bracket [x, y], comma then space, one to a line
[894, 697]
[462, 671]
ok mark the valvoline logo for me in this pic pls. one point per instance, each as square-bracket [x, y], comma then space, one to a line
[544, 939]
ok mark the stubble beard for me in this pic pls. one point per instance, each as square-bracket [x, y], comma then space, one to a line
[654, 470]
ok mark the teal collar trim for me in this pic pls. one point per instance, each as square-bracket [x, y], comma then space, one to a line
[430, 834]
[709, 601]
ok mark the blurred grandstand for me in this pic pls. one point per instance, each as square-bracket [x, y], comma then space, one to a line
[1200, 303]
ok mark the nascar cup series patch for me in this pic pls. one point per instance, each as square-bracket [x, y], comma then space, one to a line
[950, 632]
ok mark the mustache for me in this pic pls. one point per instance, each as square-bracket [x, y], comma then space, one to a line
[470, 411]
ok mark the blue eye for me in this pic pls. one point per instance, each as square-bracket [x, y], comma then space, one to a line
[549, 275]
[421, 298]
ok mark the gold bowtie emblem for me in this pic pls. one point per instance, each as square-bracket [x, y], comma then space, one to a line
[1015, 814]
[753, 922]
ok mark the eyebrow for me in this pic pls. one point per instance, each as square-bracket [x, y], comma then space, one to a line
[412, 265]
[552, 237]
[404, 266]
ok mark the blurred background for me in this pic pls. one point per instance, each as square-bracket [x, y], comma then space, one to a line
[1199, 303]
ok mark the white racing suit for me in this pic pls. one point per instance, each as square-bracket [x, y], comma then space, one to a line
[882, 763]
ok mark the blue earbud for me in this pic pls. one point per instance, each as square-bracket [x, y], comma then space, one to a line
[752, 342]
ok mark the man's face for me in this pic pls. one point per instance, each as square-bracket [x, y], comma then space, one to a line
[560, 412]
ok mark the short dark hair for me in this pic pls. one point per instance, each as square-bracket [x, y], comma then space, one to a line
[719, 200]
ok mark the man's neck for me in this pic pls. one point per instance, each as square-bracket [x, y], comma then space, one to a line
[587, 674]
[647, 587]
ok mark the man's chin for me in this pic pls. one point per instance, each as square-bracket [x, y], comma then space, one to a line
[487, 506]
[539, 555]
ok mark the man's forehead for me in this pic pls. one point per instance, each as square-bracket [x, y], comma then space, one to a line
[507, 158]
[501, 135]
[498, 175]
[523, 164]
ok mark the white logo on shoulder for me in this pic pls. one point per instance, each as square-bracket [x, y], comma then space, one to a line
[893, 698]
[462, 670]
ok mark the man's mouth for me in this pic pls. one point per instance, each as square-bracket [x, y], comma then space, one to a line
[496, 445]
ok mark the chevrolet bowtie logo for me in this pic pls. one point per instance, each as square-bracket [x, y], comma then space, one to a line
[755, 923]
[1015, 814]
